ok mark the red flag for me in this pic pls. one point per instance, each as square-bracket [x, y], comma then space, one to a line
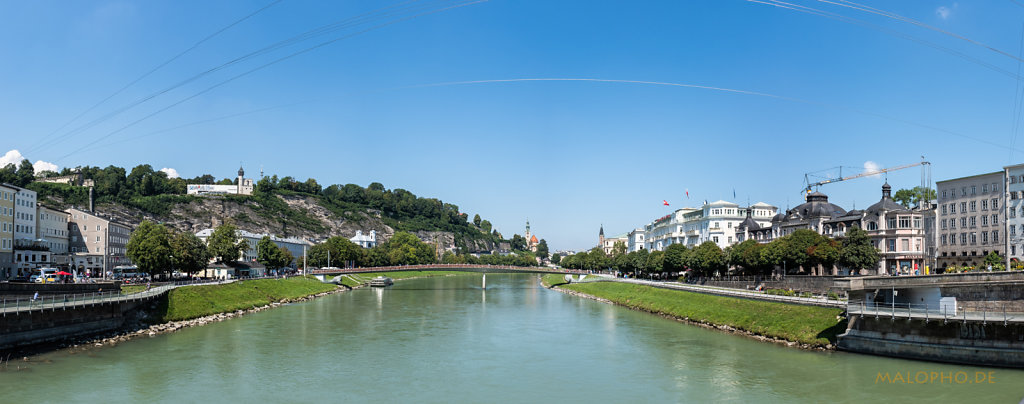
[665, 202]
[687, 194]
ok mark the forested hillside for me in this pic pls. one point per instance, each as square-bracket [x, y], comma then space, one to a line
[283, 206]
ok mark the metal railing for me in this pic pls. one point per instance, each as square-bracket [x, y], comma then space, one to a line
[816, 300]
[72, 301]
[913, 311]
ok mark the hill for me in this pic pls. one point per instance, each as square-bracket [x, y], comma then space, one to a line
[284, 206]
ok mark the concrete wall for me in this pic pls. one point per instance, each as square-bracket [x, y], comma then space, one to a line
[992, 298]
[814, 284]
[991, 344]
[45, 326]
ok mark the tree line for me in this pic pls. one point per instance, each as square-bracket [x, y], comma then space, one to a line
[803, 249]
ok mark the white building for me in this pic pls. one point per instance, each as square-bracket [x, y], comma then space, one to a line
[52, 225]
[243, 186]
[717, 222]
[363, 240]
[24, 216]
[294, 245]
[635, 240]
[1014, 211]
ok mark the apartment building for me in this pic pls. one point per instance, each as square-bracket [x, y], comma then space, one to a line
[970, 219]
[7, 268]
[52, 225]
[96, 243]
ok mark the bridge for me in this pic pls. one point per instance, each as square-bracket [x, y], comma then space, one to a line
[508, 269]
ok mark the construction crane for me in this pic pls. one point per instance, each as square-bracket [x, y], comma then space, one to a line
[926, 174]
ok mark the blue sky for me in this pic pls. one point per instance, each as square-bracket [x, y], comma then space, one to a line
[859, 87]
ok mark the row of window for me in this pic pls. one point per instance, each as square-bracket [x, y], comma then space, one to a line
[971, 238]
[973, 205]
[971, 221]
[951, 193]
[25, 229]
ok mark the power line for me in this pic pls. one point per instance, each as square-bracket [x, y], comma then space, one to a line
[887, 31]
[1017, 101]
[158, 67]
[368, 17]
[271, 63]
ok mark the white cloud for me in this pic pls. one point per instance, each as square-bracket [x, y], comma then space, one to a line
[41, 166]
[11, 157]
[171, 173]
[15, 157]
[944, 12]
[870, 166]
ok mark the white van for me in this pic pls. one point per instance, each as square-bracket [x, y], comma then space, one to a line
[40, 275]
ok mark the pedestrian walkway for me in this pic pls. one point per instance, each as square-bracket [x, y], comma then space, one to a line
[77, 300]
[720, 291]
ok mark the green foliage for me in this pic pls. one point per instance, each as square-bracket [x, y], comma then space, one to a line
[911, 197]
[707, 258]
[149, 248]
[224, 244]
[677, 257]
[407, 249]
[189, 252]
[994, 259]
[857, 251]
[272, 256]
[817, 326]
[542, 249]
[747, 255]
[341, 251]
[555, 259]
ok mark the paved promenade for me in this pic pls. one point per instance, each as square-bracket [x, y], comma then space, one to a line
[714, 290]
[75, 300]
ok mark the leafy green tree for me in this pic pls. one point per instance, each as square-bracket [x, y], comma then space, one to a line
[271, 256]
[825, 253]
[747, 255]
[542, 249]
[857, 251]
[485, 226]
[676, 257]
[149, 248]
[800, 243]
[555, 259]
[476, 220]
[406, 249]
[996, 261]
[518, 243]
[618, 248]
[911, 197]
[655, 262]
[190, 254]
[342, 251]
[26, 173]
[224, 244]
[707, 258]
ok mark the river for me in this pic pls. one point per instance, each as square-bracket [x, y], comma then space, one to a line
[446, 340]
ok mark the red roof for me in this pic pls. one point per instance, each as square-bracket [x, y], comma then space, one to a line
[533, 239]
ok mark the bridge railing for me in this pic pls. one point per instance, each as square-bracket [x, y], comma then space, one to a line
[66, 301]
[931, 312]
[444, 266]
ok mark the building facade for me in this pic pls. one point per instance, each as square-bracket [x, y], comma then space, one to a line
[96, 243]
[28, 254]
[608, 243]
[363, 240]
[970, 219]
[297, 247]
[242, 186]
[636, 240]
[52, 225]
[7, 269]
[899, 235]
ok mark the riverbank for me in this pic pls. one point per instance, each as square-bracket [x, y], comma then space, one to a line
[803, 326]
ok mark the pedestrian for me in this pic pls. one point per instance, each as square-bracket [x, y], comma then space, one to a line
[35, 296]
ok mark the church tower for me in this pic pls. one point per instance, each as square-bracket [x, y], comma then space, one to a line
[600, 237]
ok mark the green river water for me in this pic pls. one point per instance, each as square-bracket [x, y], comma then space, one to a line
[445, 340]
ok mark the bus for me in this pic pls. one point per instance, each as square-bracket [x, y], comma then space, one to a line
[129, 272]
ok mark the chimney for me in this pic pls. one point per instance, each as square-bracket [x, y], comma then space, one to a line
[90, 201]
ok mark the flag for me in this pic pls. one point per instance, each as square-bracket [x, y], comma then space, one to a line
[664, 202]
[687, 194]
[734, 193]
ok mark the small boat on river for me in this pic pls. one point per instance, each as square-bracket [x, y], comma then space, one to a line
[381, 281]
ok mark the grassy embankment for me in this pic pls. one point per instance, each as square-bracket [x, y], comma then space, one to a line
[817, 326]
[132, 289]
[202, 300]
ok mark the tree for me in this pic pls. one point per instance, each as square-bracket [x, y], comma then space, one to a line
[800, 243]
[824, 253]
[912, 197]
[224, 244]
[518, 243]
[555, 259]
[272, 256]
[149, 248]
[190, 254]
[748, 256]
[857, 251]
[997, 262]
[707, 258]
[619, 248]
[542, 249]
[676, 257]
[655, 262]
[406, 249]
[476, 220]
[342, 251]
[26, 173]
[485, 226]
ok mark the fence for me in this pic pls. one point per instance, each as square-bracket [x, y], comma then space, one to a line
[928, 313]
[74, 300]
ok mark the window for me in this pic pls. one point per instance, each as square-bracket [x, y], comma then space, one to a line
[963, 207]
[995, 220]
[974, 189]
[891, 244]
[943, 239]
[995, 203]
[1013, 231]
[1013, 213]
[984, 188]
[873, 226]
[891, 223]
[944, 225]
[984, 220]
[984, 237]
[943, 194]
[995, 236]
[943, 209]
[963, 238]
[974, 238]
[984, 205]
[904, 222]
[974, 207]
[917, 223]
[974, 221]
[952, 208]
[963, 222]
[963, 191]
[905, 244]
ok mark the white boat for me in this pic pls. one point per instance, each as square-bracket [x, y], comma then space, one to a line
[381, 281]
